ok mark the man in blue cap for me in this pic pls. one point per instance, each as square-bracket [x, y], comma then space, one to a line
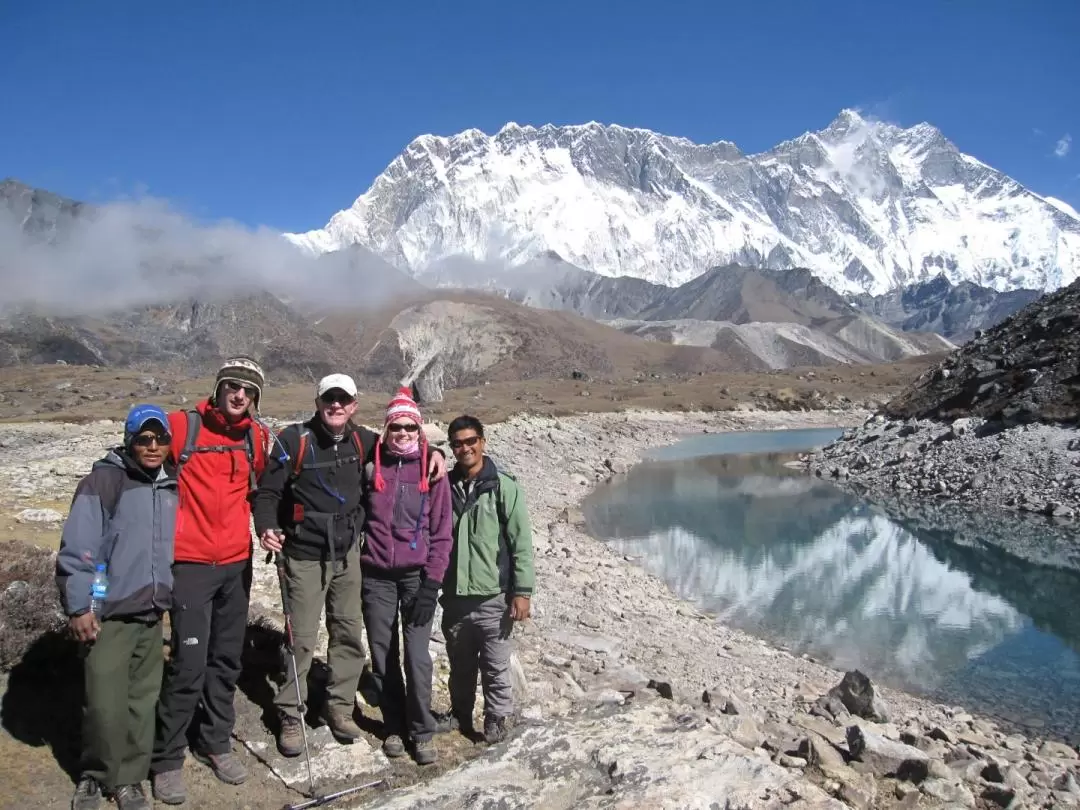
[120, 525]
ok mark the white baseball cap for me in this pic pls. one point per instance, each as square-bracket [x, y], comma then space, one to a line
[341, 381]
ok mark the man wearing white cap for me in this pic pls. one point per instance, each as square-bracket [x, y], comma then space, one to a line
[309, 508]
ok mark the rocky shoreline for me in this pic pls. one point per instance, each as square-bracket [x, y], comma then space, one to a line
[631, 697]
[975, 470]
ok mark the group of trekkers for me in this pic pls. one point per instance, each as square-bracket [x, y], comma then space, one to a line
[370, 527]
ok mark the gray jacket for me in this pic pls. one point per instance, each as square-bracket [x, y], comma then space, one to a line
[120, 517]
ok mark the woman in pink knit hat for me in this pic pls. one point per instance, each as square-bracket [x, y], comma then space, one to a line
[409, 532]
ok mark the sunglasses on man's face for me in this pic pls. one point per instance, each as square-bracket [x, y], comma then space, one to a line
[235, 387]
[468, 441]
[148, 439]
[335, 398]
[397, 427]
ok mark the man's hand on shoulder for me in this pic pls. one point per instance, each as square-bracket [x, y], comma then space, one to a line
[436, 466]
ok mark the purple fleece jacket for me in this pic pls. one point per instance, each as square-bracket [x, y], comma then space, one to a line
[397, 534]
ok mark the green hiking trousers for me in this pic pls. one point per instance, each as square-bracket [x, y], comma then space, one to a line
[314, 586]
[122, 673]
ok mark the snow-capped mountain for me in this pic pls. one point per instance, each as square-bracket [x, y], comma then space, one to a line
[867, 206]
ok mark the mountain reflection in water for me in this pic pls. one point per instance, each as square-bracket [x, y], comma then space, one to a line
[794, 559]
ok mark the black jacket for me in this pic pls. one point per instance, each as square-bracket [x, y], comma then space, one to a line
[327, 497]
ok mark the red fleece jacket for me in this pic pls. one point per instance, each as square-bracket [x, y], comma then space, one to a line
[213, 520]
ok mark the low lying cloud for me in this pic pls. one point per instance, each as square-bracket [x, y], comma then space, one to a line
[126, 254]
[1063, 146]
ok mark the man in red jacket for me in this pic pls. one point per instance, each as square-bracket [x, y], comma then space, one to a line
[220, 451]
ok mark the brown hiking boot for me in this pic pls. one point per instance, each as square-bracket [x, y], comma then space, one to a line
[168, 787]
[226, 767]
[341, 723]
[290, 740]
[393, 746]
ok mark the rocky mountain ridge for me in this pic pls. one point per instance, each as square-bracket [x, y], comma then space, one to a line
[300, 335]
[993, 426]
[867, 206]
[955, 311]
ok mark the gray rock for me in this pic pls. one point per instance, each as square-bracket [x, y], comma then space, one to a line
[954, 794]
[726, 700]
[887, 757]
[1000, 795]
[631, 756]
[1053, 748]
[856, 693]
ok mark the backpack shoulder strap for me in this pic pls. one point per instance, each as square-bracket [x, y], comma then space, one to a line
[194, 422]
[500, 507]
[252, 440]
[110, 493]
[301, 450]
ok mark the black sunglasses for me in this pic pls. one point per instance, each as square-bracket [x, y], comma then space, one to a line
[336, 397]
[469, 441]
[233, 387]
[397, 427]
[144, 440]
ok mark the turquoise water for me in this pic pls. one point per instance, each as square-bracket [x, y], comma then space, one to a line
[794, 559]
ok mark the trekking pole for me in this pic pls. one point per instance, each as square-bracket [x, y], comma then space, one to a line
[279, 563]
[321, 801]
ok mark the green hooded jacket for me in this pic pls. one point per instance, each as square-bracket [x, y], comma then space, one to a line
[493, 550]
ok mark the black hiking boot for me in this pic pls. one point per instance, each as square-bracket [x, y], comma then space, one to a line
[424, 752]
[131, 797]
[495, 729]
[446, 722]
[87, 794]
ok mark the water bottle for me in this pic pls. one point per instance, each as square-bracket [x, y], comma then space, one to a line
[99, 589]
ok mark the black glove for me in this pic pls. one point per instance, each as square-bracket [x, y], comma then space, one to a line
[423, 606]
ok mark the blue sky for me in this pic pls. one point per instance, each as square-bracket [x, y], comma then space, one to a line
[280, 113]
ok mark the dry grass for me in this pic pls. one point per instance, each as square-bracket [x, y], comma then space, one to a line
[89, 393]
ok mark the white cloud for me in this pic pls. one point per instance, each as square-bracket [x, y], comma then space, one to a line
[143, 252]
[1063, 146]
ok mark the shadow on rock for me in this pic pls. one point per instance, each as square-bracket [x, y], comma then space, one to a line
[42, 702]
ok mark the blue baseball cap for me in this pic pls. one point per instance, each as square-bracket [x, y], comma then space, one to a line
[139, 416]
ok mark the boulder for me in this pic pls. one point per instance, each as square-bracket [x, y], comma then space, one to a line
[29, 602]
[856, 693]
[617, 756]
[887, 757]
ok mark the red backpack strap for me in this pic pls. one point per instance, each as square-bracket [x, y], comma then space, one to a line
[298, 462]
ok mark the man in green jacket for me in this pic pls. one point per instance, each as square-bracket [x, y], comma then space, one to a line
[489, 583]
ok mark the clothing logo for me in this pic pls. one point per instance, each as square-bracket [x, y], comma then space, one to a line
[190, 642]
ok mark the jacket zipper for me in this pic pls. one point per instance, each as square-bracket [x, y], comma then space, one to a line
[154, 546]
[393, 515]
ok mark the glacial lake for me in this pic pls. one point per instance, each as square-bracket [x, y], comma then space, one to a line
[793, 559]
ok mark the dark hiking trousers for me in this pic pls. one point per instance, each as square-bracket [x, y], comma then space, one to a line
[122, 673]
[405, 703]
[311, 585]
[477, 631]
[209, 618]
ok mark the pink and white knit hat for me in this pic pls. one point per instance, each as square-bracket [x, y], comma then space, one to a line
[403, 405]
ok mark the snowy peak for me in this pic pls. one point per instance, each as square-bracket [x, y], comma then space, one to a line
[867, 206]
